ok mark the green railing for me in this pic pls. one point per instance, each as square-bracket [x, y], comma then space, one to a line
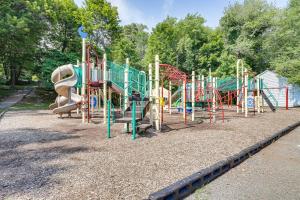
[137, 81]
[116, 75]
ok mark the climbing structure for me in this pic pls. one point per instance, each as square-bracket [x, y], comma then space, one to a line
[120, 93]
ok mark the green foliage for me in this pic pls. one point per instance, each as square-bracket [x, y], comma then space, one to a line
[163, 41]
[62, 33]
[51, 60]
[210, 54]
[21, 30]
[181, 43]
[101, 21]
[132, 44]
[37, 36]
[227, 66]
[244, 26]
[284, 43]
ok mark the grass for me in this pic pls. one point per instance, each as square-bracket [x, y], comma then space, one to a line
[39, 99]
[30, 106]
[5, 91]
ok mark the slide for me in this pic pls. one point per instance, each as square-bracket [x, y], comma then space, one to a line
[64, 78]
[176, 94]
[272, 107]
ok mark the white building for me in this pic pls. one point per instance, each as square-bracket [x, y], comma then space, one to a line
[277, 84]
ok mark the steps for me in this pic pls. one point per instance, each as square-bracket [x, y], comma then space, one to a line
[142, 107]
[141, 128]
[272, 107]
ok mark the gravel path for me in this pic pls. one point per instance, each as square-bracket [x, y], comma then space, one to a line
[273, 173]
[43, 157]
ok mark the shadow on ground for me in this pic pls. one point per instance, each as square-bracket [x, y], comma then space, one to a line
[25, 170]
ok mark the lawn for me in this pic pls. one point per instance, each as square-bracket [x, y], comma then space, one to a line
[5, 91]
[39, 99]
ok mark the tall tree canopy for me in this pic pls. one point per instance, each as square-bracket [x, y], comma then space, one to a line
[244, 26]
[101, 21]
[132, 44]
[38, 35]
[21, 31]
[283, 43]
[163, 41]
[180, 43]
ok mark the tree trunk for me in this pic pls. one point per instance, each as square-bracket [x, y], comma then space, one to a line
[13, 76]
[6, 72]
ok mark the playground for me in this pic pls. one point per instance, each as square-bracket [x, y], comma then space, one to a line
[94, 106]
[45, 156]
[117, 132]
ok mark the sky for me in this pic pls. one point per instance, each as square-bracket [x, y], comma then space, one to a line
[151, 12]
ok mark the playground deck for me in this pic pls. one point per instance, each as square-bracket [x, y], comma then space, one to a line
[50, 158]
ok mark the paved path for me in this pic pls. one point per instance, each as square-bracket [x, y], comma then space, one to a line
[15, 98]
[273, 173]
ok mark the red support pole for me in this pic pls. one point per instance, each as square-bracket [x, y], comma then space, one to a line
[287, 98]
[162, 106]
[169, 96]
[228, 98]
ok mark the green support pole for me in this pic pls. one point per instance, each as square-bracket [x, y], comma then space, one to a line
[108, 118]
[133, 120]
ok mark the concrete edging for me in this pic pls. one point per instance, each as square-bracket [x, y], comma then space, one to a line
[188, 185]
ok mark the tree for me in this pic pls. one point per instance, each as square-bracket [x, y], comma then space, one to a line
[21, 30]
[210, 53]
[163, 41]
[63, 23]
[283, 43]
[193, 35]
[132, 44]
[101, 21]
[244, 26]
[185, 43]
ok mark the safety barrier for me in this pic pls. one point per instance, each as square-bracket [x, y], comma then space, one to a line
[188, 185]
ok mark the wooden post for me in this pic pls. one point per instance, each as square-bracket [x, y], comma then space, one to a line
[150, 94]
[104, 89]
[157, 120]
[243, 86]
[83, 88]
[193, 96]
[214, 99]
[258, 94]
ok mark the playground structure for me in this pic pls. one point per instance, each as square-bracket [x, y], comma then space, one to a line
[135, 92]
